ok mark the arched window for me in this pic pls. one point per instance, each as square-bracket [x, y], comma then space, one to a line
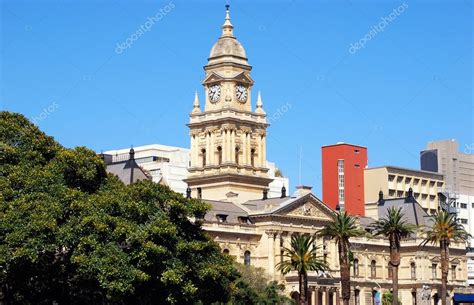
[247, 258]
[219, 155]
[226, 251]
[203, 152]
[373, 269]
[390, 270]
[357, 297]
[356, 267]
[237, 150]
[413, 270]
[252, 157]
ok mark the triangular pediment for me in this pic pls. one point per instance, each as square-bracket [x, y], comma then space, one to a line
[241, 77]
[212, 77]
[307, 207]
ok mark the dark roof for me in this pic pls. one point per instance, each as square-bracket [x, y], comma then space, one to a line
[128, 171]
[260, 204]
[232, 210]
[413, 211]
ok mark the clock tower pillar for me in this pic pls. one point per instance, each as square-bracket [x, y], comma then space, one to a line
[228, 139]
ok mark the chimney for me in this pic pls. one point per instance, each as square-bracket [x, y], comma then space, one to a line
[283, 192]
[188, 192]
[302, 190]
[265, 194]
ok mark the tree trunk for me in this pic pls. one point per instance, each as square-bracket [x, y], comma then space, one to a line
[305, 287]
[394, 263]
[444, 244]
[301, 287]
[345, 272]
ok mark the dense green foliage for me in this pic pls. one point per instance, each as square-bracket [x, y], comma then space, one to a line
[253, 288]
[70, 234]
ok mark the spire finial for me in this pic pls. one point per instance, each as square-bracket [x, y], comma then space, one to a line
[227, 27]
[259, 105]
[196, 106]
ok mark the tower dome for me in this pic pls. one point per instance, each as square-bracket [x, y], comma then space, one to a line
[227, 50]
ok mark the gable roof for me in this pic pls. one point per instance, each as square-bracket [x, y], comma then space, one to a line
[230, 209]
[128, 171]
[414, 213]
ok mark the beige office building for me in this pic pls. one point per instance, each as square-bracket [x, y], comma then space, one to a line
[395, 182]
[444, 157]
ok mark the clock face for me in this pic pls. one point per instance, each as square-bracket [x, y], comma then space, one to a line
[214, 93]
[241, 93]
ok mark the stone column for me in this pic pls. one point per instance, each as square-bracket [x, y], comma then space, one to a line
[325, 296]
[316, 295]
[258, 161]
[193, 150]
[224, 145]
[249, 148]
[208, 148]
[271, 253]
[229, 145]
[264, 155]
[232, 146]
[313, 295]
[338, 297]
[212, 149]
[244, 148]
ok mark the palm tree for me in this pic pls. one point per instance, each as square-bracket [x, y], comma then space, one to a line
[302, 257]
[394, 227]
[445, 228]
[341, 229]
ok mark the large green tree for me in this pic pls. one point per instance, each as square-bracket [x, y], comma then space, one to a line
[394, 227]
[71, 234]
[443, 231]
[341, 229]
[302, 256]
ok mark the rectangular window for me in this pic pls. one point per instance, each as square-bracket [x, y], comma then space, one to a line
[453, 272]
[463, 205]
[463, 221]
[434, 268]
[340, 170]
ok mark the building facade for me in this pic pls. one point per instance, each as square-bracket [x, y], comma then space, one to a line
[396, 182]
[458, 168]
[228, 170]
[343, 177]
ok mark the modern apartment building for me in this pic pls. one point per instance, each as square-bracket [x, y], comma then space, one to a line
[343, 177]
[395, 182]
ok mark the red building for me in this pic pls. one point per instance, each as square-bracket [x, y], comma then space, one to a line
[343, 177]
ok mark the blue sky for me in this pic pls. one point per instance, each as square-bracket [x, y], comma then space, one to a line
[409, 84]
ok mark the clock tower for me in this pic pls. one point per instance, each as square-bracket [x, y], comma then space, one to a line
[228, 139]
